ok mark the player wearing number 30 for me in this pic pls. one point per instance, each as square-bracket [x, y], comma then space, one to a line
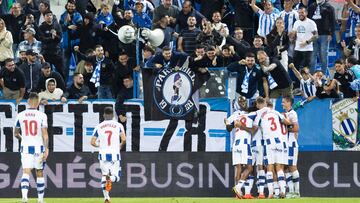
[107, 136]
[34, 145]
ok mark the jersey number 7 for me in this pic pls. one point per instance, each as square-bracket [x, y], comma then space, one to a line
[109, 134]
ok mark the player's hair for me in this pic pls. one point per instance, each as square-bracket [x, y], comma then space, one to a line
[289, 99]
[260, 100]
[33, 96]
[269, 104]
[108, 110]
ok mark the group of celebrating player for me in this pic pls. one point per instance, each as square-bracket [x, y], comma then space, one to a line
[268, 139]
[31, 129]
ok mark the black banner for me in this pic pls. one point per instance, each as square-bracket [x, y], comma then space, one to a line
[322, 174]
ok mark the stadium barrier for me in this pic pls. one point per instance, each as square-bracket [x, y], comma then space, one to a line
[176, 174]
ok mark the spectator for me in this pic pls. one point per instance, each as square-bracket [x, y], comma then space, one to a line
[279, 81]
[126, 92]
[238, 42]
[14, 22]
[353, 49]
[89, 33]
[130, 5]
[51, 93]
[209, 36]
[103, 72]
[6, 42]
[208, 7]
[163, 24]
[38, 13]
[166, 59]
[210, 59]
[87, 73]
[187, 37]
[80, 67]
[124, 67]
[50, 36]
[249, 76]
[267, 17]
[29, 23]
[324, 16]
[351, 13]
[220, 27]
[324, 89]
[258, 44]
[31, 70]
[70, 22]
[22, 59]
[289, 15]
[278, 42]
[47, 73]
[30, 42]
[344, 77]
[104, 17]
[12, 81]
[244, 18]
[141, 19]
[199, 51]
[228, 55]
[305, 31]
[77, 90]
[166, 9]
[185, 13]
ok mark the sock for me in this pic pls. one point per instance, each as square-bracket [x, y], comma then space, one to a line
[250, 182]
[239, 185]
[289, 182]
[105, 193]
[114, 179]
[262, 180]
[40, 184]
[296, 179]
[25, 185]
[276, 188]
[281, 181]
[270, 182]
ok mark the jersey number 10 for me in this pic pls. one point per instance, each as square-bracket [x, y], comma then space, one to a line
[30, 127]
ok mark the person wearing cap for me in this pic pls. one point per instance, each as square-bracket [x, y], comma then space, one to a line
[50, 35]
[22, 57]
[141, 19]
[31, 69]
[47, 73]
[6, 42]
[12, 81]
[30, 42]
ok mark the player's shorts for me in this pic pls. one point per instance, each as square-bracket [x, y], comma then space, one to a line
[276, 154]
[241, 154]
[33, 161]
[112, 167]
[257, 155]
[292, 156]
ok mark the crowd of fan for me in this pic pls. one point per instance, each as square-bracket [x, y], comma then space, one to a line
[272, 45]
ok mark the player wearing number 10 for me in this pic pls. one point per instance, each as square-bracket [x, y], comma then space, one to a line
[34, 145]
[108, 134]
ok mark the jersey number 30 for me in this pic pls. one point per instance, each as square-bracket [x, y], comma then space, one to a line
[30, 127]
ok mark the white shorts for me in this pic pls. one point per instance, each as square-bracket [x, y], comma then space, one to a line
[276, 154]
[241, 154]
[257, 155]
[293, 156]
[32, 161]
[112, 167]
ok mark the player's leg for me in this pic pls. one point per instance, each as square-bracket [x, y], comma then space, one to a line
[289, 182]
[295, 173]
[104, 166]
[281, 179]
[27, 161]
[245, 176]
[115, 171]
[236, 160]
[40, 181]
[262, 181]
[270, 161]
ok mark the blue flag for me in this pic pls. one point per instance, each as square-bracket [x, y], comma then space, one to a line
[72, 67]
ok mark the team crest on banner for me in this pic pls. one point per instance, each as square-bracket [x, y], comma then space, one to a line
[345, 125]
[173, 91]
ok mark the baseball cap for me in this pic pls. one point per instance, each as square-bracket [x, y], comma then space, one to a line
[30, 52]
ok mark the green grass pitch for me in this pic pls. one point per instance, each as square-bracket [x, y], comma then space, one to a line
[186, 200]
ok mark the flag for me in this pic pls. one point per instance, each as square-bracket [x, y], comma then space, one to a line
[72, 67]
[10, 4]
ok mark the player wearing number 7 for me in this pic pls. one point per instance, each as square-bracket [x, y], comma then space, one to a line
[34, 145]
[109, 137]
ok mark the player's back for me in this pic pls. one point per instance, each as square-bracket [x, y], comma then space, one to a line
[31, 122]
[292, 140]
[270, 125]
[243, 135]
[108, 133]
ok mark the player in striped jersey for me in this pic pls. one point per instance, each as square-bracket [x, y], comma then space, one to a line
[267, 17]
[109, 137]
[307, 85]
[292, 174]
[34, 145]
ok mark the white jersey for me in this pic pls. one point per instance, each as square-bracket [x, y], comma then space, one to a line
[31, 122]
[269, 121]
[304, 31]
[108, 133]
[243, 136]
[235, 115]
[292, 115]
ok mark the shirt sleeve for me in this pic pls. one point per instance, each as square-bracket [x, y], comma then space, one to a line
[44, 123]
[95, 133]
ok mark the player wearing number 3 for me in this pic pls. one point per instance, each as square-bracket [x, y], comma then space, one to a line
[34, 145]
[109, 133]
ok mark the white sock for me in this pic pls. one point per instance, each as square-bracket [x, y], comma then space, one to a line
[270, 182]
[25, 185]
[262, 180]
[289, 182]
[114, 179]
[281, 181]
[105, 193]
[296, 179]
[276, 188]
[40, 185]
[249, 185]
[240, 185]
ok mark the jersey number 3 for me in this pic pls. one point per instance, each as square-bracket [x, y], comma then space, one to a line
[30, 127]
